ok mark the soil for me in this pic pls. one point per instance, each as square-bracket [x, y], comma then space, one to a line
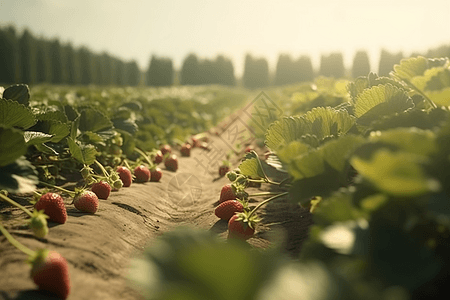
[99, 247]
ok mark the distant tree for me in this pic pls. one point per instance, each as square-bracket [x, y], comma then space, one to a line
[56, 61]
[27, 57]
[256, 72]
[72, 68]
[160, 72]
[119, 72]
[305, 69]
[387, 62]
[224, 71]
[133, 74]
[332, 65]
[285, 72]
[9, 55]
[190, 71]
[107, 69]
[361, 64]
[43, 65]
[85, 63]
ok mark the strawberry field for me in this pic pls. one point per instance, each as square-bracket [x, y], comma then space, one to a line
[331, 189]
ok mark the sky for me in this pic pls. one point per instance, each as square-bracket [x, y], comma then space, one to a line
[136, 29]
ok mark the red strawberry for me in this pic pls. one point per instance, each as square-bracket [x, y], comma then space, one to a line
[51, 272]
[171, 163]
[223, 169]
[158, 157]
[226, 193]
[186, 150]
[102, 189]
[87, 202]
[249, 148]
[227, 209]
[53, 206]
[238, 229]
[156, 174]
[166, 149]
[142, 173]
[125, 175]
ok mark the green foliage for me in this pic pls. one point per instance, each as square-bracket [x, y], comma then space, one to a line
[14, 114]
[160, 72]
[205, 71]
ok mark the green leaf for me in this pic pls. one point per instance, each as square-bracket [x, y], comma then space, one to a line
[396, 173]
[46, 149]
[337, 152]
[85, 154]
[34, 137]
[93, 120]
[440, 98]
[19, 93]
[12, 145]
[411, 140]
[14, 114]
[410, 68]
[18, 177]
[320, 122]
[52, 115]
[379, 101]
[251, 166]
[184, 263]
[292, 150]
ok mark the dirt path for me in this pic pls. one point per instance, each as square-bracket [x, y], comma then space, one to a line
[99, 247]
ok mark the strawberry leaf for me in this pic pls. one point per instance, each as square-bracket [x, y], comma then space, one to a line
[93, 120]
[85, 154]
[12, 146]
[14, 114]
[19, 93]
[18, 177]
[34, 137]
[251, 166]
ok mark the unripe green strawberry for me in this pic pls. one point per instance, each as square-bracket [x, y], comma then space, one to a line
[38, 224]
[227, 209]
[49, 270]
[117, 185]
[86, 201]
[232, 175]
[53, 206]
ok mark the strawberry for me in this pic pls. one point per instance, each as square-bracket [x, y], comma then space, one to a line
[50, 272]
[166, 149]
[227, 193]
[86, 201]
[171, 163]
[227, 209]
[158, 157]
[186, 150]
[223, 169]
[53, 206]
[142, 173]
[125, 175]
[249, 148]
[155, 174]
[102, 189]
[239, 229]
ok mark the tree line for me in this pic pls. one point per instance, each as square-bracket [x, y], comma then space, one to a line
[29, 59]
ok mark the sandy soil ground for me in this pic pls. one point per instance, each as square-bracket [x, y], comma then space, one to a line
[99, 247]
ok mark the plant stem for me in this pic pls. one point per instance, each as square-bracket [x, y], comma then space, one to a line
[16, 204]
[71, 193]
[15, 242]
[142, 153]
[264, 194]
[105, 173]
[266, 201]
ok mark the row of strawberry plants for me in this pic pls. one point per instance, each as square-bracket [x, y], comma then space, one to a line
[67, 138]
[374, 171]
